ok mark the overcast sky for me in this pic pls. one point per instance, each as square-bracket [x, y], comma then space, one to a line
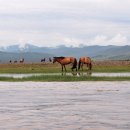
[65, 22]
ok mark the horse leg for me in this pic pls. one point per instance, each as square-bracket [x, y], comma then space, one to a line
[65, 68]
[72, 68]
[62, 68]
[76, 68]
[82, 66]
[90, 66]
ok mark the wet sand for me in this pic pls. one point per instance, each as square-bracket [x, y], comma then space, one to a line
[64, 105]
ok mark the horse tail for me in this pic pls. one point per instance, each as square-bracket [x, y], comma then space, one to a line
[75, 64]
[79, 64]
[90, 65]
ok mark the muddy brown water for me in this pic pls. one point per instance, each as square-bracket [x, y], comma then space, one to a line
[64, 105]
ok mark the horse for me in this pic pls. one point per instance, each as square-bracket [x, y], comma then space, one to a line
[15, 61]
[50, 60]
[85, 60]
[43, 60]
[21, 60]
[65, 61]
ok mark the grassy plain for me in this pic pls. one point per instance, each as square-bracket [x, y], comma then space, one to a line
[56, 68]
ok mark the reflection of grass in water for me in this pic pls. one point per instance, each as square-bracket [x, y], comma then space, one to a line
[65, 78]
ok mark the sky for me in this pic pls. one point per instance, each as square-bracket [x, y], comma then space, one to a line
[64, 22]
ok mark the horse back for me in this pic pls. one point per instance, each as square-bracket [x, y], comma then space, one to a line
[85, 59]
[68, 60]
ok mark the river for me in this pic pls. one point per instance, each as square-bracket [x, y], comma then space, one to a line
[65, 105]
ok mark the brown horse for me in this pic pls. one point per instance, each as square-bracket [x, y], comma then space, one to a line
[85, 60]
[65, 61]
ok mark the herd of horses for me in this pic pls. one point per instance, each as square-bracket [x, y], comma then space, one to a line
[65, 61]
[72, 60]
[15, 61]
[45, 59]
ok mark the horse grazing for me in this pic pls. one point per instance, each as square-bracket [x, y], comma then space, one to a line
[21, 60]
[85, 60]
[65, 61]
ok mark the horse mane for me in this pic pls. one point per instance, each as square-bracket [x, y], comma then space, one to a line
[60, 57]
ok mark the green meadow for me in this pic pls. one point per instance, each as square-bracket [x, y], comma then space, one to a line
[56, 68]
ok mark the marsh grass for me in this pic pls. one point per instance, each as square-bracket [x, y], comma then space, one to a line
[53, 78]
[56, 68]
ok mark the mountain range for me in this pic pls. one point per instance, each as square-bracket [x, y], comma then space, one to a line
[33, 53]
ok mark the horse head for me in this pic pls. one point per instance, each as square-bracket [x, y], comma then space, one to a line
[54, 59]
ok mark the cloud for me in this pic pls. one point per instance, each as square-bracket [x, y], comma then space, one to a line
[118, 40]
[68, 22]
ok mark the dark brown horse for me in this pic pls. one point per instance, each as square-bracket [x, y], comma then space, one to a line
[10, 61]
[43, 60]
[85, 60]
[21, 60]
[15, 61]
[65, 61]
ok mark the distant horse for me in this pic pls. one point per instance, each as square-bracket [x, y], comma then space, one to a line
[50, 59]
[15, 61]
[65, 61]
[21, 60]
[85, 60]
[10, 61]
[43, 60]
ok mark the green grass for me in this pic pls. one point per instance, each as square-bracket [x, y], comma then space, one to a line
[55, 68]
[29, 68]
[65, 78]
[111, 69]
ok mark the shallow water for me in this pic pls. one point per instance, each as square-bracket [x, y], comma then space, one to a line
[64, 105]
[68, 74]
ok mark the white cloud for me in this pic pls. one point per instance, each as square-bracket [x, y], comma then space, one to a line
[69, 22]
[104, 40]
[118, 40]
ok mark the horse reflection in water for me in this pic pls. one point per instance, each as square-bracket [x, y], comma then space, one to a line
[85, 60]
[65, 61]
[88, 73]
[69, 74]
[77, 74]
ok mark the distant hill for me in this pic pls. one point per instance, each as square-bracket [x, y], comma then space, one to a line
[34, 53]
[114, 53]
